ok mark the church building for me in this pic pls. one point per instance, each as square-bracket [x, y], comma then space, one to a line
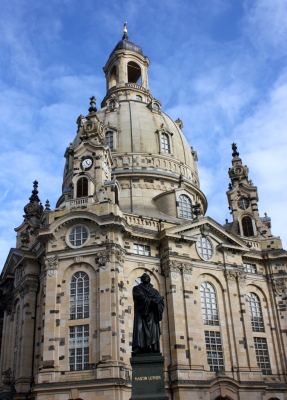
[131, 203]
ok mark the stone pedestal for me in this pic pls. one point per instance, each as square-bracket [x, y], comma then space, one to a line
[148, 377]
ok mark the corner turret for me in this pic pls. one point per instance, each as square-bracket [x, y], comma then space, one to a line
[242, 200]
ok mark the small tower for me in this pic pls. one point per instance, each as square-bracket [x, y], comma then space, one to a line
[126, 71]
[242, 199]
[32, 217]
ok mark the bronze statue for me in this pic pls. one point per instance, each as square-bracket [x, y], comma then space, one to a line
[148, 310]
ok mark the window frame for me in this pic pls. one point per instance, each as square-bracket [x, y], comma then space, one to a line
[262, 341]
[82, 178]
[85, 338]
[248, 268]
[69, 232]
[214, 349]
[114, 140]
[76, 302]
[243, 227]
[146, 249]
[210, 249]
[180, 205]
[206, 311]
[110, 135]
[165, 143]
[255, 311]
[169, 135]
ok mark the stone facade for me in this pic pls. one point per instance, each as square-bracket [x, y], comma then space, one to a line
[131, 203]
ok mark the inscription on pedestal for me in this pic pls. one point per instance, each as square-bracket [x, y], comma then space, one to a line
[148, 377]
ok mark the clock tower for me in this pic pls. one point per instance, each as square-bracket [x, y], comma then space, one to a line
[87, 173]
[131, 203]
[242, 199]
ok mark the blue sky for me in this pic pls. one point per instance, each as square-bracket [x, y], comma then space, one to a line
[219, 65]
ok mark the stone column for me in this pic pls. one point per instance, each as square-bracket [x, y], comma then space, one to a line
[28, 292]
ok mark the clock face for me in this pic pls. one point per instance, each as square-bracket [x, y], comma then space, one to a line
[243, 203]
[87, 163]
[238, 170]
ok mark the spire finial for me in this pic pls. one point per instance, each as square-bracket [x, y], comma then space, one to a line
[234, 148]
[93, 104]
[35, 192]
[125, 32]
[47, 206]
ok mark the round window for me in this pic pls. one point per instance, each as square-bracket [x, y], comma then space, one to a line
[204, 247]
[77, 236]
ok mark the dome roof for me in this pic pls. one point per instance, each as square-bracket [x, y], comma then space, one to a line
[138, 128]
[152, 161]
[127, 45]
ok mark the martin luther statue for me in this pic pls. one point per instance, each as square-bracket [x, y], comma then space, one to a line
[148, 310]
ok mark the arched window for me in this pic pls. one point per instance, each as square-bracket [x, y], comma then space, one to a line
[255, 313]
[109, 140]
[247, 226]
[185, 206]
[82, 187]
[79, 296]
[113, 77]
[165, 145]
[139, 98]
[209, 304]
[112, 105]
[134, 73]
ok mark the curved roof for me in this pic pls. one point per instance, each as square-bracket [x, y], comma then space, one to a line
[127, 45]
[138, 126]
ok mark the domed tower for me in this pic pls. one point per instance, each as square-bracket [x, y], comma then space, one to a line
[152, 166]
[242, 199]
[131, 204]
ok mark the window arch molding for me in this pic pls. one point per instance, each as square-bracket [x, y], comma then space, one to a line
[79, 295]
[255, 311]
[82, 186]
[165, 145]
[184, 206]
[111, 138]
[247, 225]
[77, 236]
[209, 304]
[205, 247]
[134, 73]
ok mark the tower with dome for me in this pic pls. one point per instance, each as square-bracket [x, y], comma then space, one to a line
[131, 203]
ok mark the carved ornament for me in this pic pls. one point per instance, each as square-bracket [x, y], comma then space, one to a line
[7, 377]
[278, 284]
[28, 287]
[103, 257]
[50, 265]
[93, 129]
[173, 266]
[233, 275]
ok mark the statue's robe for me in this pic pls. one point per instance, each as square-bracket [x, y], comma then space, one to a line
[148, 309]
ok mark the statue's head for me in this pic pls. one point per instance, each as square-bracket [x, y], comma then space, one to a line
[145, 278]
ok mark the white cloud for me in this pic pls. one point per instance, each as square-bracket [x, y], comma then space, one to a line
[265, 24]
